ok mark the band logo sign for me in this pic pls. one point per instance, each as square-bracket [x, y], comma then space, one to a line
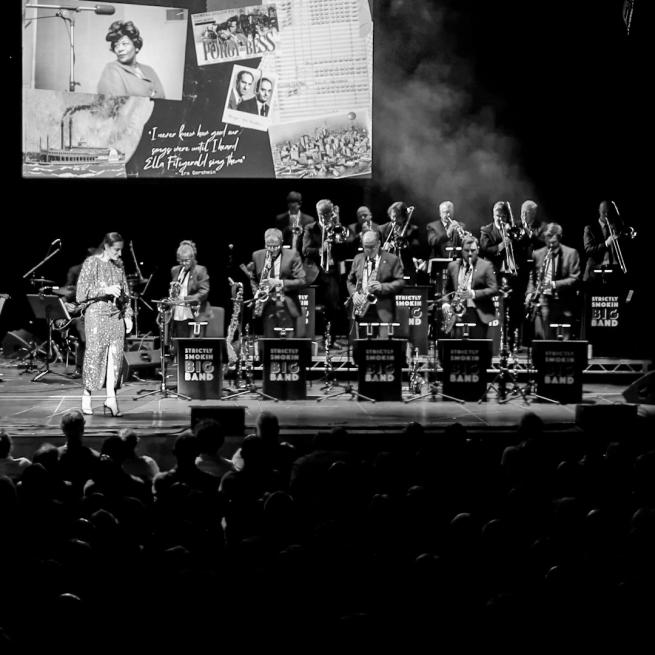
[380, 368]
[465, 366]
[559, 367]
[415, 305]
[199, 367]
[199, 364]
[284, 365]
[605, 311]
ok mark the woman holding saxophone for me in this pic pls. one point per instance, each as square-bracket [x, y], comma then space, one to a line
[376, 276]
[189, 287]
[277, 275]
[470, 288]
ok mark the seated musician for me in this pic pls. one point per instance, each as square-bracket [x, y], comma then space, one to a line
[374, 280]
[279, 275]
[190, 287]
[471, 283]
[552, 288]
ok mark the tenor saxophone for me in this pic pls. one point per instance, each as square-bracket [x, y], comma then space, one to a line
[457, 306]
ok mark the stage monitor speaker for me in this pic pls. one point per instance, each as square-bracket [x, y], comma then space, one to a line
[141, 364]
[606, 419]
[233, 419]
[642, 391]
[142, 343]
[15, 341]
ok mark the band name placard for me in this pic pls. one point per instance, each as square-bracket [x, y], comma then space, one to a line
[307, 299]
[606, 322]
[465, 363]
[412, 314]
[199, 367]
[559, 369]
[380, 368]
[285, 367]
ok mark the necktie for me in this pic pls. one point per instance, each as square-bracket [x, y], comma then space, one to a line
[264, 110]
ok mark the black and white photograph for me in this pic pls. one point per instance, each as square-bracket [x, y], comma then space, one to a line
[110, 49]
[251, 100]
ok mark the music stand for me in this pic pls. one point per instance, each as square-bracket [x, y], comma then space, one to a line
[162, 307]
[50, 308]
[348, 388]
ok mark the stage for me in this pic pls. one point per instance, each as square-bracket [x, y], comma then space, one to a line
[31, 411]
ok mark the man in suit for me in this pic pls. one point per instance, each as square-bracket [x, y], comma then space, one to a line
[324, 250]
[492, 244]
[263, 96]
[375, 277]
[280, 270]
[472, 279]
[599, 242]
[443, 235]
[293, 222]
[553, 283]
[363, 223]
[408, 247]
[190, 281]
[242, 88]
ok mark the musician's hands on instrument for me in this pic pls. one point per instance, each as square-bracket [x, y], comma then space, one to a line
[374, 286]
[611, 239]
[274, 282]
[445, 308]
[112, 290]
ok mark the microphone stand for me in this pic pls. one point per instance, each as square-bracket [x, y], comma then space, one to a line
[43, 261]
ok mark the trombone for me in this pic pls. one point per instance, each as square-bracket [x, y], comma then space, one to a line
[395, 238]
[510, 261]
[629, 232]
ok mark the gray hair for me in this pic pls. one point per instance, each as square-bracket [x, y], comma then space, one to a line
[273, 232]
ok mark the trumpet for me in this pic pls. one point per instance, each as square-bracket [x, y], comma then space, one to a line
[459, 228]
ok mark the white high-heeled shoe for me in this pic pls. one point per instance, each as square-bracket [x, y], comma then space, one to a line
[86, 403]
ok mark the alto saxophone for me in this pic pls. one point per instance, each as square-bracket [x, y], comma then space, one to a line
[457, 306]
[533, 299]
[364, 299]
[234, 322]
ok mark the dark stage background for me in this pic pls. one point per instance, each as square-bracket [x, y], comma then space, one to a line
[473, 102]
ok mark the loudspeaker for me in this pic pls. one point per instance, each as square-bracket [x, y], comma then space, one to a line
[233, 419]
[642, 391]
[14, 341]
[142, 343]
[142, 363]
[606, 419]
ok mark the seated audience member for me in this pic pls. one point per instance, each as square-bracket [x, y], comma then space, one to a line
[76, 461]
[142, 466]
[12, 467]
[211, 437]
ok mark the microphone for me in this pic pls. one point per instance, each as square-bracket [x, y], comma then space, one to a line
[105, 10]
[55, 242]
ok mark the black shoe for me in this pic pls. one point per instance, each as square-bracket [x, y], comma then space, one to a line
[76, 374]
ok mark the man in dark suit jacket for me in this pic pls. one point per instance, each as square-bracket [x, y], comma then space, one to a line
[193, 281]
[293, 222]
[285, 278]
[364, 222]
[444, 233]
[376, 273]
[476, 280]
[410, 248]
[556, 281]
[598, 242]
[492, 246]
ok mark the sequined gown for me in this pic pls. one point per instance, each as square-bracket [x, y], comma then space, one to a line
[105, 328]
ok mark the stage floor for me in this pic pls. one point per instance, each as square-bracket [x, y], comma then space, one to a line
[34, 409]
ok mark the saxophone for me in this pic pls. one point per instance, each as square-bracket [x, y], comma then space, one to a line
[416, 378]
[458, 303]
[234, 321]
[261, 291]
[364, 299]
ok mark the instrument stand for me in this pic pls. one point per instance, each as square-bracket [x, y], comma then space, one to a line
[531, 384]
[250, 388]
[328, 379]
[163, 390]
[348, 387]
[46, 369]
[433, 390]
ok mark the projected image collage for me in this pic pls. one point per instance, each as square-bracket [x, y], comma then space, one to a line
[270, 90]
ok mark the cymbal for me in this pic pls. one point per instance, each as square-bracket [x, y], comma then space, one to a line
[41, 280]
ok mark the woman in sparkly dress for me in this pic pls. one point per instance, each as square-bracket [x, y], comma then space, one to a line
[108, 318]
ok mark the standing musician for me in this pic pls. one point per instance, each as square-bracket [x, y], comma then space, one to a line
[363, 223]
[189, 283]
[401, 237]
[494, 239]
[552, 289]
[324, 250]
[293, 222]
[445, 233]
[602, 242]
[374, 280]
[471, 285]
[279, 275]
